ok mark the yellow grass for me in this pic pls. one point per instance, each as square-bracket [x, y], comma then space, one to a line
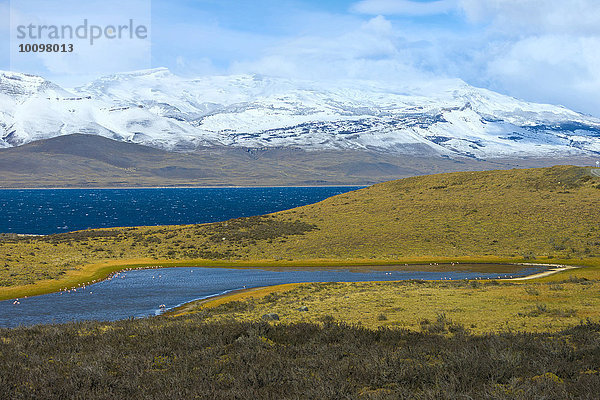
[479, 306]
[539, 215]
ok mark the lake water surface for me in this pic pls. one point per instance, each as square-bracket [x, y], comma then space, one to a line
[139, 293]
[50, 211]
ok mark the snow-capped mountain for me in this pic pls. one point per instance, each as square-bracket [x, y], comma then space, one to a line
[159, 109]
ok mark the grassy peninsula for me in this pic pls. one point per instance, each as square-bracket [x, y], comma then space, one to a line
[546, 214]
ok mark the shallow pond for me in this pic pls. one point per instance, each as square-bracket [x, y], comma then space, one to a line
[140, 293]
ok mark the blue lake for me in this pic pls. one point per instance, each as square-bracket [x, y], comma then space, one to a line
[62, 210]
[139, 293]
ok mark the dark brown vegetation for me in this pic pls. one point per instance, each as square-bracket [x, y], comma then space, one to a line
[251, 229]
[185, 358]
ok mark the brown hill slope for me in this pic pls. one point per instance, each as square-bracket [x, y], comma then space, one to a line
[94, 161]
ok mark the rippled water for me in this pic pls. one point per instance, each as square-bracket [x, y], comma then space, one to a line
[55, 210]
[139, 293]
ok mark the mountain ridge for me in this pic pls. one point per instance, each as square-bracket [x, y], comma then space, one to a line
[443, 118]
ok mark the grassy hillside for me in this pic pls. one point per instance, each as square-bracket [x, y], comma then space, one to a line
[517, 213]
[94, 161]
[534, 214]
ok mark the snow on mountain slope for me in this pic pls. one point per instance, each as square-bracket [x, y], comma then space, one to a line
[157, 108]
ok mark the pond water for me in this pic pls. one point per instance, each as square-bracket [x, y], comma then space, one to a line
[139, 293]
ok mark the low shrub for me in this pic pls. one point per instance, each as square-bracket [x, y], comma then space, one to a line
[184, 357]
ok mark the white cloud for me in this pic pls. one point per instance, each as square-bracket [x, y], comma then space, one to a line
[379, 25]
[404, 7]
[538, 50]
[103, 57]
[541, 67]
[535, 16]
[195, 66]
[372, 50]
[560, 69]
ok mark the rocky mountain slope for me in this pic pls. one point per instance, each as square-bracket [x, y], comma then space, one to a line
[155, 108]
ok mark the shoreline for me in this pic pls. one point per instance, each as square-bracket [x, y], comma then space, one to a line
[559, 268]
[242, 294]
[97, 272]
[237, 294]
[182, 187]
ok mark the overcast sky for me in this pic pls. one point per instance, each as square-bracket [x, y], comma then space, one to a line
[537, 50]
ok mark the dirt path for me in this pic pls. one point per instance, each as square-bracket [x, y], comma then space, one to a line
[545, 273]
